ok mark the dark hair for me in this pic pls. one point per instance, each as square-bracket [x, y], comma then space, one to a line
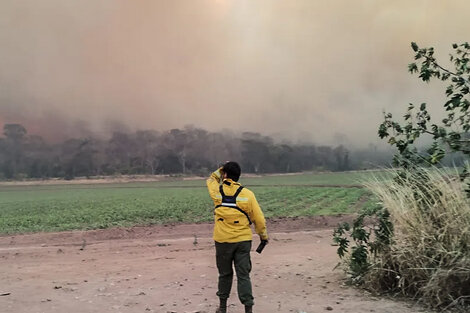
[233, 170]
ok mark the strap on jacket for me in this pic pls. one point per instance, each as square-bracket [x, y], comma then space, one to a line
[234, 197]
[221, 189]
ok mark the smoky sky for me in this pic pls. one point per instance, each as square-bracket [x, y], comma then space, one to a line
[311, 70]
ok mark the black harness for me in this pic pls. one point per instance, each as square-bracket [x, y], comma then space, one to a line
[231, 201]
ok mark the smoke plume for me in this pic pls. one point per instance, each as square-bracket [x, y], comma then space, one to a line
[306, 70]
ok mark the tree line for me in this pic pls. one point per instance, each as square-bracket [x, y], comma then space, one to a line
[189, 151]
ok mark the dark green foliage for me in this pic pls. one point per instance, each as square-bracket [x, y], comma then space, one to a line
[341, 240]
[369, 238]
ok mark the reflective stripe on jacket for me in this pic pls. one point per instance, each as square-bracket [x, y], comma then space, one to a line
[230, 224]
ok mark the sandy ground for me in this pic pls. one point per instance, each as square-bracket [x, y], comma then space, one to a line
[172, 269]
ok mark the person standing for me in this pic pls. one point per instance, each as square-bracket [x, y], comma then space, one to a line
[236, 209]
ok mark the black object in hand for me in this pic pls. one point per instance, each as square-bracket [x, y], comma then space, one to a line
[261, 246]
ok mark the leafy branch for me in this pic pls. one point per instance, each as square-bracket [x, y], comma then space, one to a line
[452, 132]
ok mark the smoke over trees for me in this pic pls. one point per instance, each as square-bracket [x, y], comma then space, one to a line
[191, 151]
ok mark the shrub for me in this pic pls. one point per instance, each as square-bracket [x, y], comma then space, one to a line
[418, 243]
[428, 256]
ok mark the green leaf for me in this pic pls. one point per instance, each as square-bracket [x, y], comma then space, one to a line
[414, 46]
[449, 90]
[442, 132]
[425, 73]
[383, 131]
[465, 105]
[437, 156]
[412, 68]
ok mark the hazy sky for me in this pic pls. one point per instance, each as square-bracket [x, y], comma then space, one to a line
[319, 70]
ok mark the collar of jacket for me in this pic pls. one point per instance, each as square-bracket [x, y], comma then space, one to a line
[229, 181]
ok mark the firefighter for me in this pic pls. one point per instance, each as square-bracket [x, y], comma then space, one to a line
[236, 209]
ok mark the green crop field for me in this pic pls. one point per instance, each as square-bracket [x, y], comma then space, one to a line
[68, 207]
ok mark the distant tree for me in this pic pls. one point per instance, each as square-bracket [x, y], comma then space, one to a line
[3, 158]
[371, 156]
[188, 151]
[255, 150]
[38, 157]
[325, 157]
[146, 142]
[170, 163]
[120, 153]
[222, 146]
[15, 135]
[14, 132]
[283, 158]
[181, 143]
[69, 158]
[198, 159]
[341, 155]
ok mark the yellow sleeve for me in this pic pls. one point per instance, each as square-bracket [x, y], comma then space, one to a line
[213, 183]
[257, 217]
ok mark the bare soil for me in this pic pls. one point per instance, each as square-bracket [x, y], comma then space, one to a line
[171, 268]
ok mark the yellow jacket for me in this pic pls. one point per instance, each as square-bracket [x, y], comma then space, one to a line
[232, 225]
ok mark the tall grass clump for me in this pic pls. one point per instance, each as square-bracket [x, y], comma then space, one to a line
[427, 253]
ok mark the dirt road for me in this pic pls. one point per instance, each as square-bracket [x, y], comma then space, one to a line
[172, 269]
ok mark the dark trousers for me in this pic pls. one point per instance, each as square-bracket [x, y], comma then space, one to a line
[238, 254]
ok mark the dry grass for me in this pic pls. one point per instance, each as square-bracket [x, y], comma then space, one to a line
[429, 258]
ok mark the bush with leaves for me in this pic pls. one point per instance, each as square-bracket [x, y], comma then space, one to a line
[417, 241]
[368, 241]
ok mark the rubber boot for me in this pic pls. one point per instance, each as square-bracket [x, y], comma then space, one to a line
[248, 309]
[222, 306]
